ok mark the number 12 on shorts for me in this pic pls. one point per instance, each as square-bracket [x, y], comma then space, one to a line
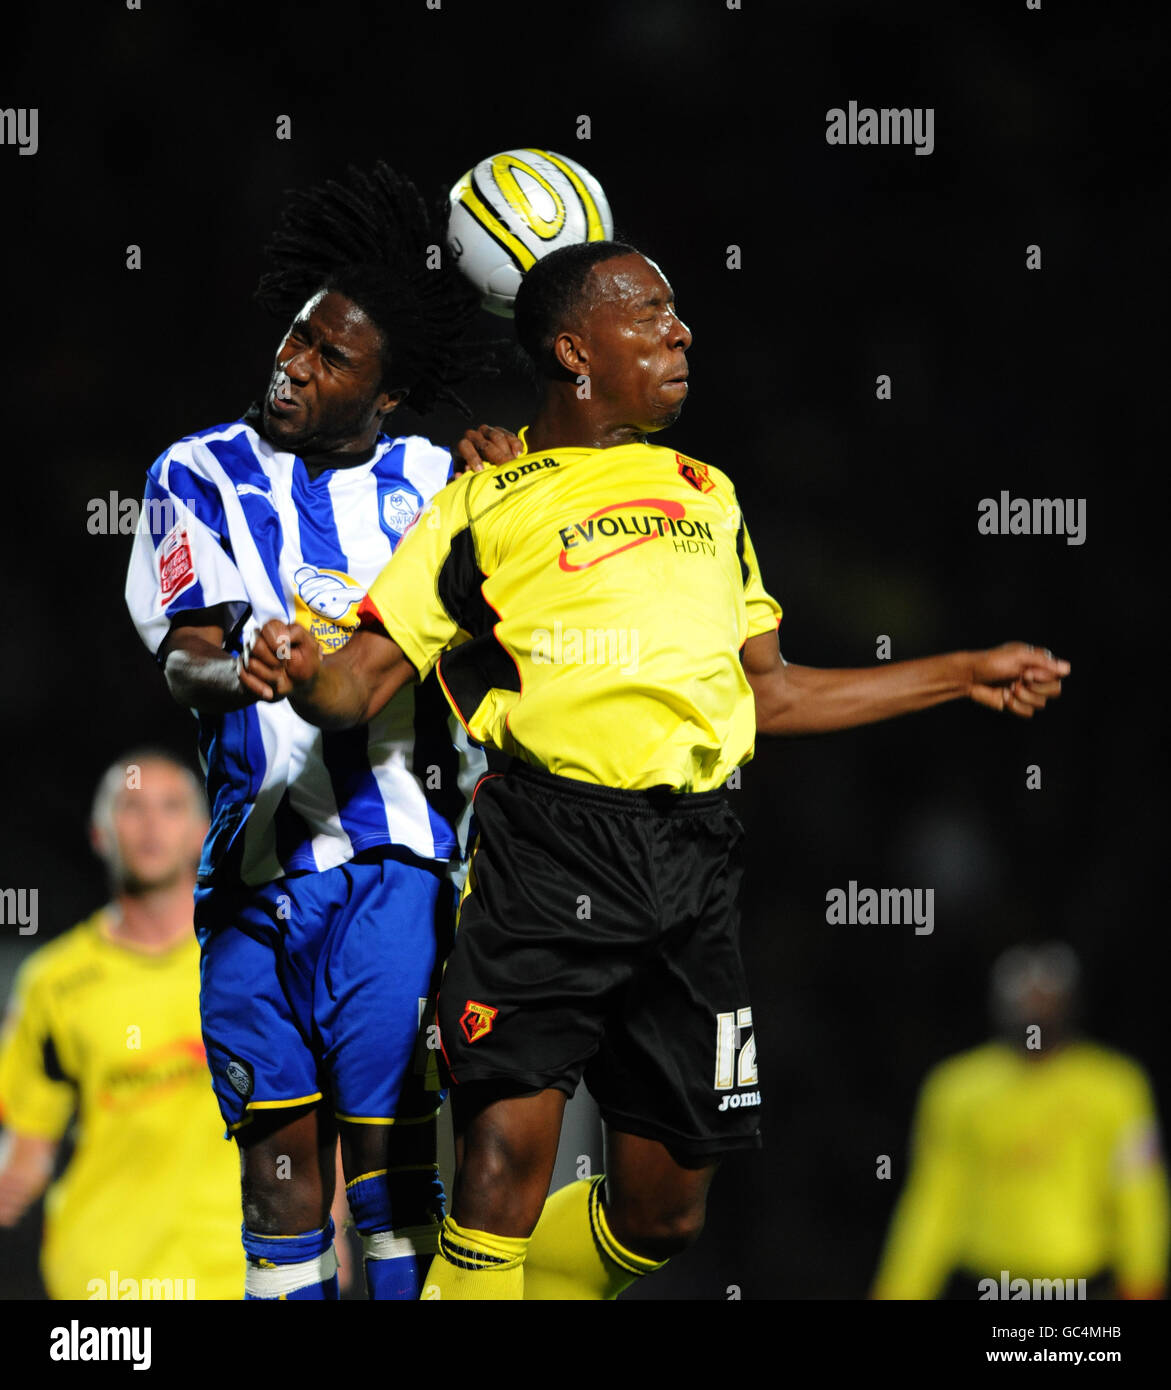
[735, 1062]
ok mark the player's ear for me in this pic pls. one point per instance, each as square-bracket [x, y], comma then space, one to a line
[389, 401]
[99, 838]
[571, 353]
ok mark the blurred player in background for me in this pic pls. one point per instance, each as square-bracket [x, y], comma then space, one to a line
[610, 629]
[103, 1029]
[1036, 1154]
[324, 885]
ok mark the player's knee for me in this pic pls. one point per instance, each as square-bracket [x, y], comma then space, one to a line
[500, 1148]
[286, 1173]
[499, 1163]
[283, 1196]
[284, 1210]
[500, 1187]
[657, 1233]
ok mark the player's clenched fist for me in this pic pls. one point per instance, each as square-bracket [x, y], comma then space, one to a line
[277, 658]
[1017, 677]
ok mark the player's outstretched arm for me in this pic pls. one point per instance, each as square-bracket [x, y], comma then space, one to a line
[346, 688]
[808, 700]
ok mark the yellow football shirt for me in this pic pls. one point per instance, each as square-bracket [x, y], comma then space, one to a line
[596, 601]
[149, 1204]
[1046, 1167]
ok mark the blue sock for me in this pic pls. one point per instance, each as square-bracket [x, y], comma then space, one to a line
[299, 1268]
[398, 1212]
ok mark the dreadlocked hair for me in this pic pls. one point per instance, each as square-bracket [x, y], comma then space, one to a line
[370, 237]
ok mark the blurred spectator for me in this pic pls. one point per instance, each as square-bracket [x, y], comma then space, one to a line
[1034, 1156]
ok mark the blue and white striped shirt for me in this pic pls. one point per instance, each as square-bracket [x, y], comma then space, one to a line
[230, 520]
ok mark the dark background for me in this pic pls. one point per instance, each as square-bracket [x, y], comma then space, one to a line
[157, 128]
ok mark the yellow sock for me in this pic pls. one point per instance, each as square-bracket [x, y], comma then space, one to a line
[573, 1253]
[476, 1265]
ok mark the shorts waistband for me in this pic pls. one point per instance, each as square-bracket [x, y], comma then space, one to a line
[376, 854]
[652, 801]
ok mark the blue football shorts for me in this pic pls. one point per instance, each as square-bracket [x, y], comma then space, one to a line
[321, 987]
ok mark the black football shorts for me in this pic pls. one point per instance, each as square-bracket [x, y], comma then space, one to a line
[599, 936]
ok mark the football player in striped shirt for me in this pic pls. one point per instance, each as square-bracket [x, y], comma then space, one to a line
[324, 895]
[599, 614]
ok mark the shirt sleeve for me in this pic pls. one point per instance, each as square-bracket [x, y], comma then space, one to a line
[764, 612]
[1142, 1218]
[428, 467]
[35, 1098]
[181, 560]
[423, 596]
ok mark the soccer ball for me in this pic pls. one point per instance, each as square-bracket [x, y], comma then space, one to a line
[515, 207]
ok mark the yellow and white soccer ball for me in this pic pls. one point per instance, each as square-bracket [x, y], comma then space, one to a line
[515, 207]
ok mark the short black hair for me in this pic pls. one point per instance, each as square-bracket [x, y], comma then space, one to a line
[549, 293]
[373, 238]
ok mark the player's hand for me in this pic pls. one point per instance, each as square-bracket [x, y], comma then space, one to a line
[276, 659]
[487, 444]
[1017, 677]
[26, 1165]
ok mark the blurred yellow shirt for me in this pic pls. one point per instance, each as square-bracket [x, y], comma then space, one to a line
[1047, 1167]
[149, 1204]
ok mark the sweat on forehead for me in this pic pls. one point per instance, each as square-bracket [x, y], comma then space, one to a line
[624, 277]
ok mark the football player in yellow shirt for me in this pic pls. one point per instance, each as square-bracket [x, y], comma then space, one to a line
[595, 609]
[1035, 1157]
[103, 1030]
